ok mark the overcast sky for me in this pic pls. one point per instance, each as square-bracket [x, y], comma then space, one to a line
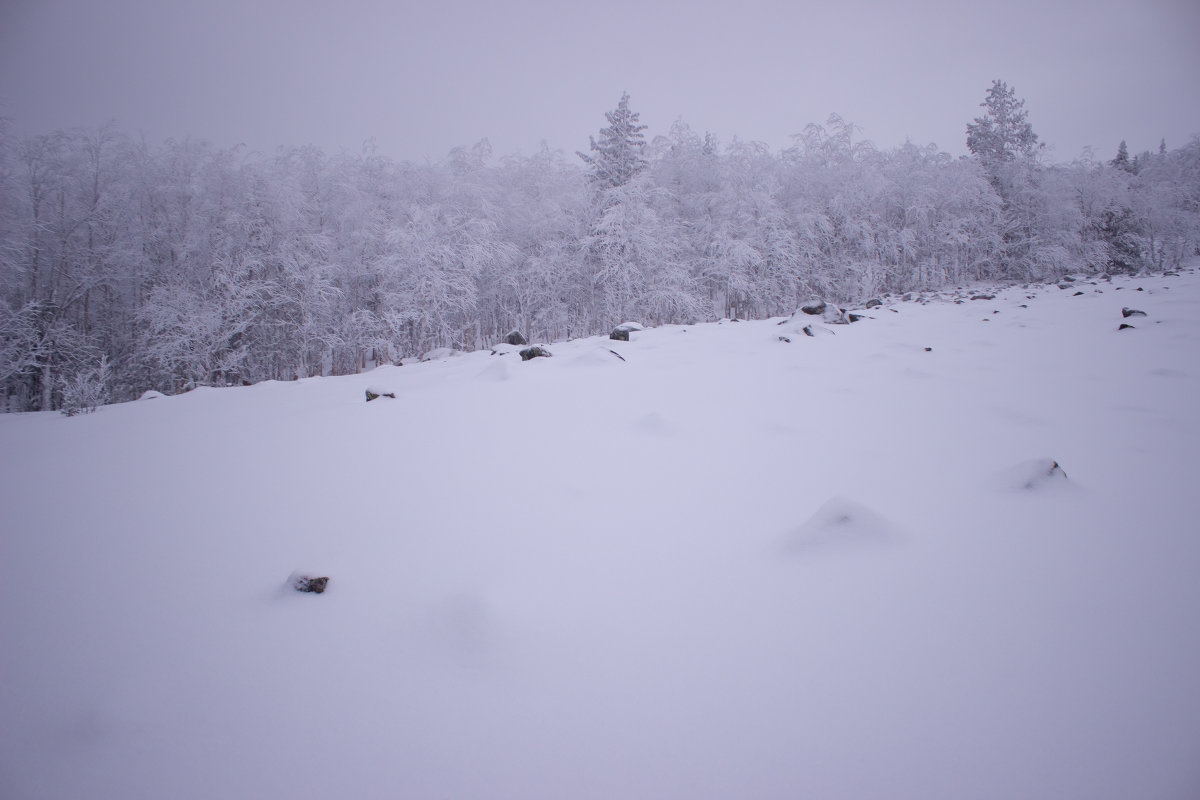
[422, 77]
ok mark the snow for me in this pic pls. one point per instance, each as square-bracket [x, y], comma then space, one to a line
[723, 567]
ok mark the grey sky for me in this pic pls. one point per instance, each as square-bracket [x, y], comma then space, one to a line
[422, 77]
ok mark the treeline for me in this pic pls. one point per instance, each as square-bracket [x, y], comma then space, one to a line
[126, 267]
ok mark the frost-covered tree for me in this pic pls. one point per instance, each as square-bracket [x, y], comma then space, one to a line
[1121, 161]
[619, 154]
[1003, 134]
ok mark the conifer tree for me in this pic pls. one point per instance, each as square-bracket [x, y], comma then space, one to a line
[1122, 159]
[618, 155]
[1003, 134]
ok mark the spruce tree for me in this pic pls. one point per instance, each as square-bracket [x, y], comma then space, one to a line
[1003, 134]
[618, 155]
[1122, 159]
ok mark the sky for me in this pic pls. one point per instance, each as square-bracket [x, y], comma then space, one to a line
[419, 78]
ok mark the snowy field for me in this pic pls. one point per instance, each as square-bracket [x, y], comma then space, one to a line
[727, 566]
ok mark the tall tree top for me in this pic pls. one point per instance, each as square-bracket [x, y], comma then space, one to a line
[618, 155]
[1003, 133]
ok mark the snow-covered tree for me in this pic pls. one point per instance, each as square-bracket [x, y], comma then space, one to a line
[1003, 134]
[619, 154]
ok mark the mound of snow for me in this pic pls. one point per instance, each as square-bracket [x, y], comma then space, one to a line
[1037, 474]
[840, 522]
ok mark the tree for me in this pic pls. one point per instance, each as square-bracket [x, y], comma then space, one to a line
[619, 153]
[1122, 159]
[1003, 134]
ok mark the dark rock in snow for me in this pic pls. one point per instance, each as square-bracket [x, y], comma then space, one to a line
[1140, 289]
[785, 339]
[306, 583]
[515, 337]
[813, 308]
[618, 355]
[855, 317]
[537, 351]
[1124, 326]
[1132, 312]
[373, 394]
[1040, 473]
[620, 334]
[808, 331]
[1077, 294]
[928, 349]
[983, 297]
[874, 302]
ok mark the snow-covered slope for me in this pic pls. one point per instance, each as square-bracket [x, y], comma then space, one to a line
[726, 566]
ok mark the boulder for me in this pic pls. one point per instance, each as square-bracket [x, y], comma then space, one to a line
[808, 331]
[1132, 312]
[813, 308]
[620, 334]
[374, 393]
[983, 297]
[855, 317]
[785, 339]
[515, 337]
[1124, 326]
[873, 302]
[307, 583]
[537, 351]
[835, 316]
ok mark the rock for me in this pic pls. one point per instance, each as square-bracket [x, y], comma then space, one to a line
[873, 302]
[785, 339]
[1035, 475]
[374, 393]
[813, 308]
[808, 331]
[907, 297]
[928, 349]
[835, 316]
[983, 297]
[622, 331]
[151, 394]
[1077, 294]
[1068, 279]
[515, 337]
[1124, 326]
[537, 351]
[618, 355]
[856, 317]
[306, 583]
[1132, 312]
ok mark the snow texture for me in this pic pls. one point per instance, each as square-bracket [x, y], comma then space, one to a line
[720, 568]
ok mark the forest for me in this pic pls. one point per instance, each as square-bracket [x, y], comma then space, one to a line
[127, 266]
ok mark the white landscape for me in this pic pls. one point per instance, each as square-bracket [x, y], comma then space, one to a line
[723, 565]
